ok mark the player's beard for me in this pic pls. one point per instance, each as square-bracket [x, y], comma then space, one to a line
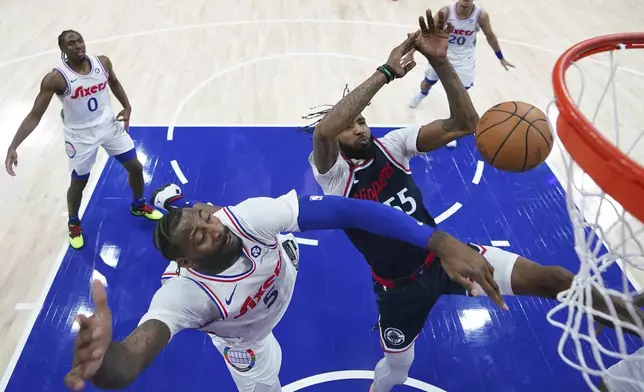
[223, 258]
[358, 152]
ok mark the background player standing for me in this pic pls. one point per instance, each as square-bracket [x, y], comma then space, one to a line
[466, 19]
[81, 82]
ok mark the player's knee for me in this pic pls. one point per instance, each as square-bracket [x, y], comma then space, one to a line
[133, 166]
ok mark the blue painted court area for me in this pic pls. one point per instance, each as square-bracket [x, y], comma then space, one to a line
[467, 345]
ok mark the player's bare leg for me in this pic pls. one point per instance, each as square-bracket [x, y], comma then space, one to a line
[139, 206]
[74, 197]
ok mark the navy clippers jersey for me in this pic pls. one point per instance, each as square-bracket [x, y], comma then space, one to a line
[385, 178]
[386, 181]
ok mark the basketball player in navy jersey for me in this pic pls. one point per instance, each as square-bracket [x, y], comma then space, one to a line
[81, 83]
[466, 19]
[348, 161]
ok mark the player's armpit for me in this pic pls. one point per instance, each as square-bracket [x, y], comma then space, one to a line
[124, 361]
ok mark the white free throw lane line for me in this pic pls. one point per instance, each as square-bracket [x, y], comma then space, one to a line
[450, 211]
[178, 172]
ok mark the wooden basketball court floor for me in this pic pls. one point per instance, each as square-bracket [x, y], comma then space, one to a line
[219, 71]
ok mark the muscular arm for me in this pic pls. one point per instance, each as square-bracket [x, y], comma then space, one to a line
[339, 118]
[484, 21]
[52, 82]
[124, 361]
[463, 116]
[115, 84]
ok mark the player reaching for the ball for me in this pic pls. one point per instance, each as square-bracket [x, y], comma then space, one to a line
[234, 277]
[348, 161]
[466, 19]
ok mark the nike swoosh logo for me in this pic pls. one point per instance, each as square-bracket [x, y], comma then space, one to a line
[229, 300]
[73, 80]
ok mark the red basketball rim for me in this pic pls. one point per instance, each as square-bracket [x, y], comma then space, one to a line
[612, 170]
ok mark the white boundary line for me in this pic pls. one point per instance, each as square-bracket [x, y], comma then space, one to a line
[500, 243]
[178, 171]
[479, 172]
[352, 375]
[177, 112]
[284, 21]
[91, 186]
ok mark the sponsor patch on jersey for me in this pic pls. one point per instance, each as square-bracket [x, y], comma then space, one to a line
[291, 251]
[394, 336]
[240, 360]
[70, 149]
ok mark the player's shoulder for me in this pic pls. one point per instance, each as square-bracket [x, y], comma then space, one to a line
[400, 136]
[107, 63]
[54, 80]
[178, 292]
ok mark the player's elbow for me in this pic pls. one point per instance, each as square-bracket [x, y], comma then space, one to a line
[466, 121]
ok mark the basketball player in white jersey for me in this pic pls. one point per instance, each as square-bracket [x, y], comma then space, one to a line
[81, 83]
[234, 277]
[466, 19]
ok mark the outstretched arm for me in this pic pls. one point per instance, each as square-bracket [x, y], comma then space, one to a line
[118, 91]
[463, 116]
[486, 26]
[460, 261]
[344, 113]
[124, 361]
[53, 82]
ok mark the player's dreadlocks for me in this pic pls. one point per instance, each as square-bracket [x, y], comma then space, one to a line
[163, 232]
[319, 114]
[61, 41]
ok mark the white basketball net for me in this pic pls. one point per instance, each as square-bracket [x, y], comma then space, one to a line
[600, 223]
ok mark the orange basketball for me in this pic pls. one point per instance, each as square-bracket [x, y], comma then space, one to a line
[514, 136]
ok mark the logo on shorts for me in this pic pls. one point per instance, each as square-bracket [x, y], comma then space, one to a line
[255, 251]
[394, 336]
[70, 149]
[314, 198]
[241, 361]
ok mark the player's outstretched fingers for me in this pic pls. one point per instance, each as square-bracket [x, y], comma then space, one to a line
[74, 382]
[430, 21]
[488, 284]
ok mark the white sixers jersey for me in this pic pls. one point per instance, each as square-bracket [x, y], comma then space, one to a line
[462, 38]
[86, 101]
[251, 296]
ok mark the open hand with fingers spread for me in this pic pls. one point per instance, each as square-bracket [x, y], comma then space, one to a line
[434, 38]
[92, 341]
[397, 61]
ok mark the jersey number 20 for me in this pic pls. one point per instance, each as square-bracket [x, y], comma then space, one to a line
[456, 40]
[402, 202]
[92, 104]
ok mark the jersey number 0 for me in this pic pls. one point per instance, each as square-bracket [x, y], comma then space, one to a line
[92, 104]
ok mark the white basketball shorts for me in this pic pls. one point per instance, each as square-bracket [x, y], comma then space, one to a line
[256, 367]
[81, 145]
[465, 71]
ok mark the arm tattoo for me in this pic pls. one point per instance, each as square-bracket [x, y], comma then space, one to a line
[462, 111]
[124, 361]
[339, 118]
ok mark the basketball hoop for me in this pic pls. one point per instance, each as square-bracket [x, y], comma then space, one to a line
[605, 198]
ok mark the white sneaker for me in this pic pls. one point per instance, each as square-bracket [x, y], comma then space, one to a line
[161, 195]
[452, 144]
[416, 100]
